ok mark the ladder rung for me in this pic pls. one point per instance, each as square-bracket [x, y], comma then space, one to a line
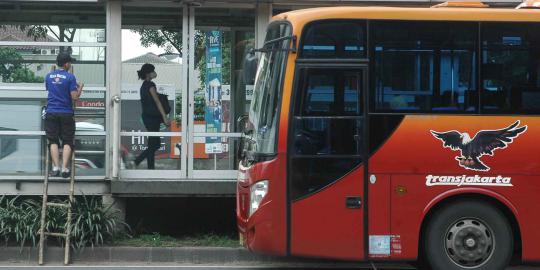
[56, 234]
[66, 205]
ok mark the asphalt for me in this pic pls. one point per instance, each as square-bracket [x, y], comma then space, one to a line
[210, 267]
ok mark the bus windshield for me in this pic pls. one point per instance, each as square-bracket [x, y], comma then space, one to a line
[268, 83]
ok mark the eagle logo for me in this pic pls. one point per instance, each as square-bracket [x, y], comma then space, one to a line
[483, 143]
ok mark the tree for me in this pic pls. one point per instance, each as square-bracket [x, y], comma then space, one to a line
[62, 34]
[170, 40]
[11, 69]
[10, 60]
[25, 75]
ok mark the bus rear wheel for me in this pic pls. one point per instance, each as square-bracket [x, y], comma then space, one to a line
[468, 234]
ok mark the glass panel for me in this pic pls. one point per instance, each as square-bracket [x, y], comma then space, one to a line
[312, 174]
[218, 155]
[425, 66]
[24, 155]
[263, 113]
[46, 22]
[327, 136]
[28, 114]
[89, 155]
[511, 68]
[334, 39]
[89, 112]
[327, 128]
[330, 92]
[222, 38]
[151, 35]
[137, 153]
[28, 65]
[21, 155]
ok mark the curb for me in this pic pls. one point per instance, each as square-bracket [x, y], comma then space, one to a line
[161, 255]
[183, 255]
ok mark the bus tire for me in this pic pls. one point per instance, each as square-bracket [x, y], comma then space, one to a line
[468, 234]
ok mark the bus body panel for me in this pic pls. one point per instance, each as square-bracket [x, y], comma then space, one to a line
[410, 163]
[380, 210]
[266, 230]
[300, 17]
[321, 225]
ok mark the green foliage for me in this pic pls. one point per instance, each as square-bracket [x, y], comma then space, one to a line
[10, 60]
[19, 220]
[157, 240]
[198, 109]
[171, 41]
[11, 69]
[24, 75]
[200, 57]
[93, 223]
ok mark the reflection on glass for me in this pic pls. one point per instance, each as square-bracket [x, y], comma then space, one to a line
[167, 157]
[25, 155]
[21, 155]
[28, 65]
[89, 153]
[511, 68]
[221, 156]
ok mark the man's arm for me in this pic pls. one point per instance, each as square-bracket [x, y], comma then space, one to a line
[76, 94]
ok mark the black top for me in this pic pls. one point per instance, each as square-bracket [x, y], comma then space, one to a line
[147, 102]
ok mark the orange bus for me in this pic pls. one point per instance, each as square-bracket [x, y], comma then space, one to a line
[379, 133]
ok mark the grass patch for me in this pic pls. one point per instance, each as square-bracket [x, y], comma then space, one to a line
[158, 240]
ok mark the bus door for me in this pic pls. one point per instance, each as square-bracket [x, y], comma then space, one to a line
[326, 161]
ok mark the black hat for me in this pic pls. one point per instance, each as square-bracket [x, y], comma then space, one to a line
[64, 58]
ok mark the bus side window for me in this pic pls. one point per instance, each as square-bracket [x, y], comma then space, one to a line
[511, 68]
[424, 67]
[334, 39]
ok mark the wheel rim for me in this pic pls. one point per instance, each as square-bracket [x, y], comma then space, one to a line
[469, 243]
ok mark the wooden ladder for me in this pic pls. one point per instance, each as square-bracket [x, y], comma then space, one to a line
[67, 228]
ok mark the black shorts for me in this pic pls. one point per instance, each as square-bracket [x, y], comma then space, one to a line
[60, 127]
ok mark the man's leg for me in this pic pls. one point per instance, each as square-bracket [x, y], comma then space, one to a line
[66, 157]
[52, 129]
[68, 140]
[55, 155]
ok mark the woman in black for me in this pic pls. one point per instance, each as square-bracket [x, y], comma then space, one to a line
[150, 106]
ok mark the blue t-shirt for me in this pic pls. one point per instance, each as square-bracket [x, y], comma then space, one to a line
[60, 84]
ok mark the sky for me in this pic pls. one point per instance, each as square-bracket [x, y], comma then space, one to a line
[131, 46]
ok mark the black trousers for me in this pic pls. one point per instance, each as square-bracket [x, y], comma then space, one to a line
[60, 127]
[154, 143]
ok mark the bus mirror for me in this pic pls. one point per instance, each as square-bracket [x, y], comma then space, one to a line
[250, 67]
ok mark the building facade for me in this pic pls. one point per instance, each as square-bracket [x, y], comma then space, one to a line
[197, 48]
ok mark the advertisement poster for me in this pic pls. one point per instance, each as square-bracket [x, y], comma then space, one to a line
[213, 94]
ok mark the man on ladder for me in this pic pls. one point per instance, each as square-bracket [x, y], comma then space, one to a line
[62, 89]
